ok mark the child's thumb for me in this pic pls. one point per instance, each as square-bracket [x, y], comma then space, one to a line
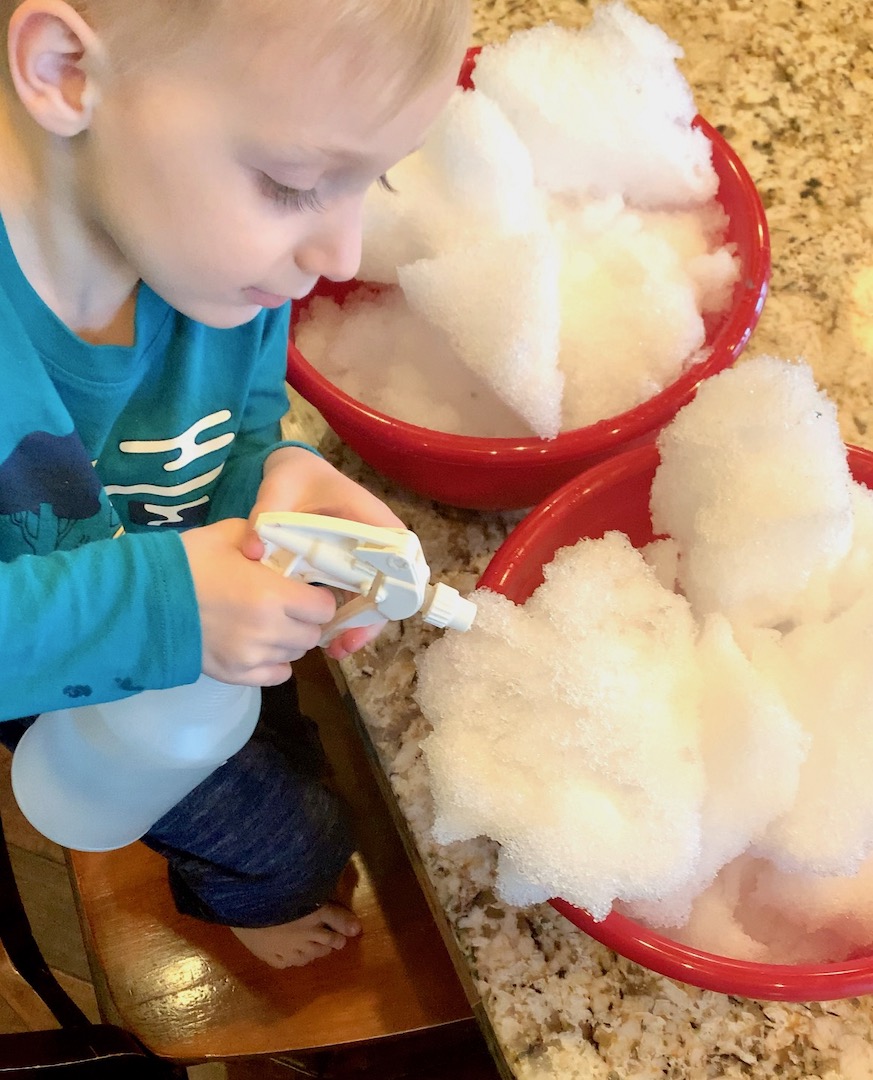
[252, 545]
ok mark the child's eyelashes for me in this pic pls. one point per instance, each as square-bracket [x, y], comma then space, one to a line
[289, 197]
[296, 199]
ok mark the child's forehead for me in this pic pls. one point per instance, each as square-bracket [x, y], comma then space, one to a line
[339, 130]
[147, 31]
[308, 85]
[317, 95]
[287, 54]
[386, 54]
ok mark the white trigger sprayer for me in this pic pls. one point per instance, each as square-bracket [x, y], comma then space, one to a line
[98, 777]
[384, 566]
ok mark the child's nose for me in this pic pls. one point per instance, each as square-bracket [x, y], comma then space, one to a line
[332, 246]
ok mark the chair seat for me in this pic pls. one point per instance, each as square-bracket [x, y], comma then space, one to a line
[190, 992]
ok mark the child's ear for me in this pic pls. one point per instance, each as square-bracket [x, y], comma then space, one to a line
[53, 57]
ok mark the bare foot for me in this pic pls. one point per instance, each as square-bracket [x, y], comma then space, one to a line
[298, 943]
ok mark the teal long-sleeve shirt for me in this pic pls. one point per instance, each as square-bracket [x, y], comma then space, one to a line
[106, 454]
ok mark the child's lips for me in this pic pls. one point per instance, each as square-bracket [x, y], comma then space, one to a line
[264, 299]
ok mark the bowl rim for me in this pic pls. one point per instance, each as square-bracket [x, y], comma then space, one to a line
[628, 938]
[604, 436]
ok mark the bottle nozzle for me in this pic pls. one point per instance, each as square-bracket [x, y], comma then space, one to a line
[444, 606]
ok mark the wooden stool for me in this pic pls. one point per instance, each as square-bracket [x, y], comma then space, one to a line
[191, 993]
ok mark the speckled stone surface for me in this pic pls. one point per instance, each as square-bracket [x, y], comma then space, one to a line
[790, 84]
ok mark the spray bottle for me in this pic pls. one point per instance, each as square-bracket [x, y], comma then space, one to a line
[97, 777]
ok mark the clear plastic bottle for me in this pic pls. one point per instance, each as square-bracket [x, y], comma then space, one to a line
[98, 777]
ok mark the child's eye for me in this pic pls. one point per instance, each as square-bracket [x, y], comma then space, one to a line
[386, 185]
[288, 197]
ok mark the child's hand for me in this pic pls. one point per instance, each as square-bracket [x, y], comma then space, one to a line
[254, 622]
[296, 479]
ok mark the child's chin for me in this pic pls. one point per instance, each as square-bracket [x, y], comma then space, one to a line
[220, 316]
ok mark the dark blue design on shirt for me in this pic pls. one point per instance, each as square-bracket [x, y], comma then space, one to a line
[129, 685]
[48, 473]
[78, 691]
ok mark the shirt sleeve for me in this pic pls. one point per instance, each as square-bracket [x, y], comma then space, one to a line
[112, 617]
[105, 620]
[259, 434]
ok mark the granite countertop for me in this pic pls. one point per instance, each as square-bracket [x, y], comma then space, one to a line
[790, 85]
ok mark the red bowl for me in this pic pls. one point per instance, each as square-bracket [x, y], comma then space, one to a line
[505, 474]
[615, 495]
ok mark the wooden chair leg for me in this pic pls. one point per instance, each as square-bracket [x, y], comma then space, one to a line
[78, 1049]
[23, 952]
[96, 1052]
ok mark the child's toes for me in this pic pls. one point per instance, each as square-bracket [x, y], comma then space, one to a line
[340, 919]
[305, 954]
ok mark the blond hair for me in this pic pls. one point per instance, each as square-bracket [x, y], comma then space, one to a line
[427, 33]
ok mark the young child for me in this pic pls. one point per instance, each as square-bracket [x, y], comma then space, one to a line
[172, 172]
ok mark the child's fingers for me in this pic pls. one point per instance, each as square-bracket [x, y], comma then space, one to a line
[297, 479]
[350, 641]
[311, 604]
[272, 675]
[252, 546]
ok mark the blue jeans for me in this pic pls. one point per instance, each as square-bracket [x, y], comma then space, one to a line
[261, 841]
